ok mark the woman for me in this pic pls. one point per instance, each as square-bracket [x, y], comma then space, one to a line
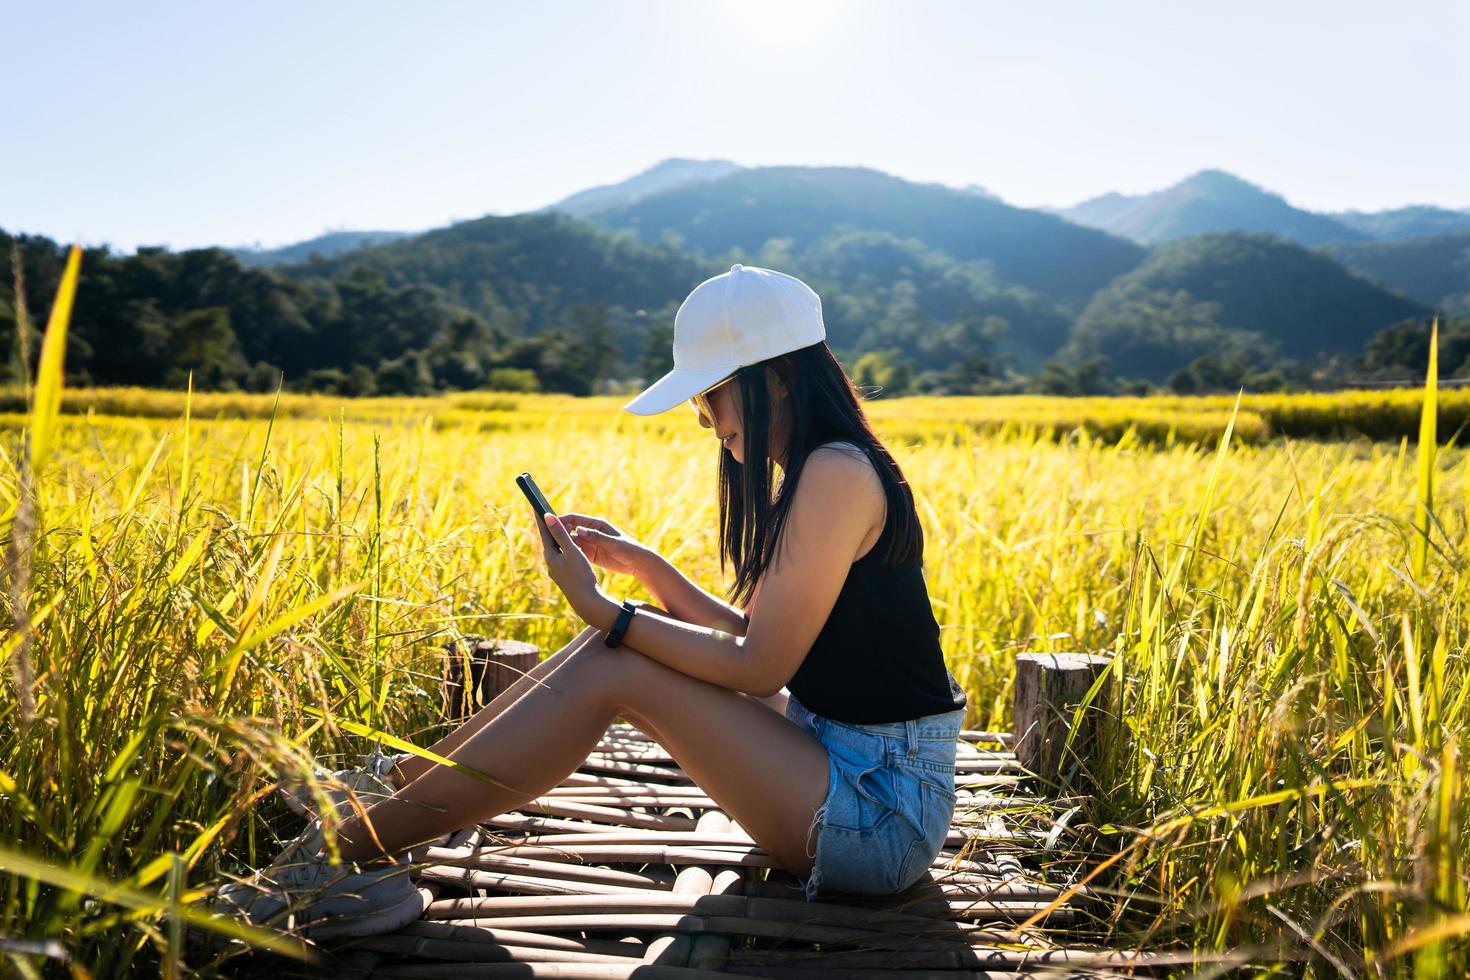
[816, 710]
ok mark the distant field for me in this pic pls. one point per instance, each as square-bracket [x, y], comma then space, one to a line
[1384, 414]
[203, 594]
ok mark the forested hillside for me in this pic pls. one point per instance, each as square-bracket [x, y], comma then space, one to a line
[524, 271]
[368, 327]
[1433, 269]
[1226, 292]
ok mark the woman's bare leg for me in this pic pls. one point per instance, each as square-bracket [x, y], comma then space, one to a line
[406, 770]
[763, 770]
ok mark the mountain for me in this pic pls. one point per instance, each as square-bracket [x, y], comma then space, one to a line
[1208, 293]
[1433, 269]
[883, 292]
[665, 175]
[526, 273]
[949, 286]
[737, 215]
[1411, 222]
[332, 243]
[1211, 200]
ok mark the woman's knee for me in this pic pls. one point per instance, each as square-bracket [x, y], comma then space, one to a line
[620, 671]
[580, 640]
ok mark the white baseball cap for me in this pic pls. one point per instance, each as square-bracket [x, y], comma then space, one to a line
[734, 319]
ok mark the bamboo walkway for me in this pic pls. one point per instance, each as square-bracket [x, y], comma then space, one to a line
[628, 870]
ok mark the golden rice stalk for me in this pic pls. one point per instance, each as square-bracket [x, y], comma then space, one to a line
[47, 403]
[22, 319]
[1424, 492]
[36, 445]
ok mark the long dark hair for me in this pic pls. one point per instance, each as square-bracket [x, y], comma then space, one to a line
[824, 407]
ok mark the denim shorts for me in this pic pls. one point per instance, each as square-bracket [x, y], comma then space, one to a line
[890, 799]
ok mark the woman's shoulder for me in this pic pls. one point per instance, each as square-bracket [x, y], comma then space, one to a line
[854, 459]
[843, 446]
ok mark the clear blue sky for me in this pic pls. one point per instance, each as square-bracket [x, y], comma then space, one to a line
[186, 124]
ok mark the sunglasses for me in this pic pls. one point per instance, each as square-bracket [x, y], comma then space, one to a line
[700, 402]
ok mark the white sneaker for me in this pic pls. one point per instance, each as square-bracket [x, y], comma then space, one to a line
[320, 900]
[368, 783]
[304, 847]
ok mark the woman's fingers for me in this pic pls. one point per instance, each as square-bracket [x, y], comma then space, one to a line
[600, 549]
[554, 527]
[548, 539]
[586, 520]
[590, 541]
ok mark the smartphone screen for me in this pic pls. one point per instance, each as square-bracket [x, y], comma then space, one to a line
[538, 501]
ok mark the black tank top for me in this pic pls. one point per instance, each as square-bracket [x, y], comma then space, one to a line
[877, 658]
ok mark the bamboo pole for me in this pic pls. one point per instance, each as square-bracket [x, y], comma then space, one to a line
[432, 929]
[560, 971]
[675, 948]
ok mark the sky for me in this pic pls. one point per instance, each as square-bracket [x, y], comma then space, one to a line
[190, 124]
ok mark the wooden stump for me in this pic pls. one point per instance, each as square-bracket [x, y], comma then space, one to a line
[1049, 687]
[491, 666]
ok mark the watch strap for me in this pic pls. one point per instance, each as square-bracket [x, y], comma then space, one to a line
[620, 625]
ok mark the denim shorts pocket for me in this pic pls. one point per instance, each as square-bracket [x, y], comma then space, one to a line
[874, 802]
[936, 805]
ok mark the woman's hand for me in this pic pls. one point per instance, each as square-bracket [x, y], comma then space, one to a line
[607, 546]
[573, 574]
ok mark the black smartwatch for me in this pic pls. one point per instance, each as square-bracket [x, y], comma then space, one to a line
[620, 625]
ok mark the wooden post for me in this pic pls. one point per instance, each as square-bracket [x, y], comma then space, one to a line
[492, 666]
[1049, 686]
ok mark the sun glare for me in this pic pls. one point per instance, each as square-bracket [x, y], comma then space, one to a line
[785, 24]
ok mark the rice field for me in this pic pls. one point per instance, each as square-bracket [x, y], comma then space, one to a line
[207, 594]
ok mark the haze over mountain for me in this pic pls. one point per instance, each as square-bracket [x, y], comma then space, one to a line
[749, 208]
[1211, 200]
[331, 243]
[1418, 252]
[662, 176]
[1411, 222]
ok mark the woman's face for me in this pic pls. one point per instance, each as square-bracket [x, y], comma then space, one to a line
[725, 402]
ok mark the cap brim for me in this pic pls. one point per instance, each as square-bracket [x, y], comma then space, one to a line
[674, 388]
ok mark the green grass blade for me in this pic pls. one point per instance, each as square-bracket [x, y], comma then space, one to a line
[26, 866]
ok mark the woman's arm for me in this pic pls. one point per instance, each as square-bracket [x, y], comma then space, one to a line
[616, 550]
[687, 601]
[776, 702]
[838, 502]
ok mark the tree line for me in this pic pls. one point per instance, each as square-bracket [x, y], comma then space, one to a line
[551, 303]
[153, 318]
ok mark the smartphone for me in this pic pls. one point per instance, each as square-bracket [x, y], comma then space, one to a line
[538, 501]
